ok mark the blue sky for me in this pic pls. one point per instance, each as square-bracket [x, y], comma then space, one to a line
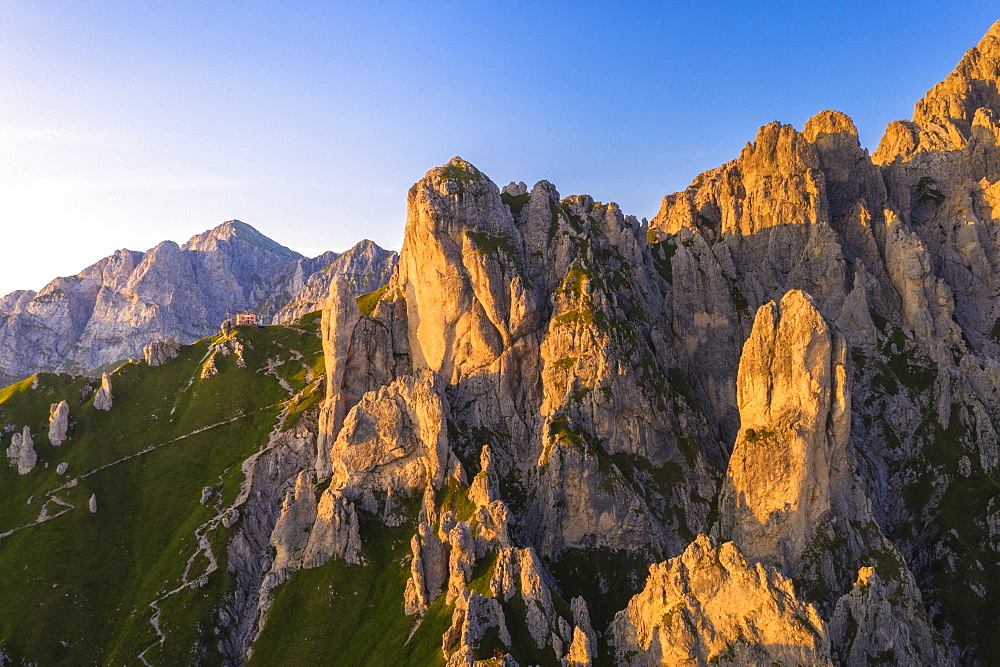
[126, 123]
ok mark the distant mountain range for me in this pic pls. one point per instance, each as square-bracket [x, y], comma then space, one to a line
[113, 308]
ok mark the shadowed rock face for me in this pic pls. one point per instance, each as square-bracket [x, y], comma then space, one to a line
[111, 310]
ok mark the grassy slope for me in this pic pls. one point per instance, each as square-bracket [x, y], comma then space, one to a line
[341, 614]
[77, 588]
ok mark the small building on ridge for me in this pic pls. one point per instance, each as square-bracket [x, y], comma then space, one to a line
[246, 318]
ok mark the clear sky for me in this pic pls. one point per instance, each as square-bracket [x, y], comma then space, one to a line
[126, 123]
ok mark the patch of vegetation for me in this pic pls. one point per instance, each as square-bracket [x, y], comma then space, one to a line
[916, 375]
[606, 578]
[585, 317]
[707, 223]
[689, 449]
[926, 193]
[516, 203]
[754, 436]
[523, 648]
[456, 173]
[949, 509]
[340, 614]
[81, 584]
[679, 383]
[903, 361]
[565, 363]
[663, 478]
[368, 302]
[489, 244]
[455, 497]
[740, 302]
[663, 251]
[563, 433]
[995, 331]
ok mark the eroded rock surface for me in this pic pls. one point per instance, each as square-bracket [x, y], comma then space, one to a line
[709, 605]
[22, 452]
[103, 397]
[58, 422]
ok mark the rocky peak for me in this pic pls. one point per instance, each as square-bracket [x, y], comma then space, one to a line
[850, 177]
[233, 231]
[943, 119]
[778, 146]
[775, 181]
[794, 404]
[459, 271]
[709, 605]
[366, 267]
[835, 138]
[460, 198]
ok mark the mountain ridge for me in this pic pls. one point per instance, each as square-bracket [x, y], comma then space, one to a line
[110, 310]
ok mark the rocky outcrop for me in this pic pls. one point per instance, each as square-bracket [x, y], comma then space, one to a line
[335, 532]
[394, 441]
[876, 623]
[366, 267]
[22, 452]
[58, 423]
[429, 569]
[474, 615]
[790, 498]
[710, 605]
[298, 513]
[459, 231]
[102, 399]
[159, 352]
[943, 120]
[789, 461]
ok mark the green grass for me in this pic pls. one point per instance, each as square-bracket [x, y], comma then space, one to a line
[927, 193]
[79, 585]
[606, 578]
[515, 202]
[491, 245]
[663, 253]
[340, 614]
[367, 302]
[951, 512]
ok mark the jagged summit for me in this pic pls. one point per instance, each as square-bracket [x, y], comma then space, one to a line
[946, 117]
[118, 305]
[829, 122]
[235, 230]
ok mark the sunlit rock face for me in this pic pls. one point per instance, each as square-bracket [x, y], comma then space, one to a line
[111, 310]
[710, 605]
[758, 392]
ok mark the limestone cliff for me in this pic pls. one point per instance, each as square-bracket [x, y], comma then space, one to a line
[710, 605]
